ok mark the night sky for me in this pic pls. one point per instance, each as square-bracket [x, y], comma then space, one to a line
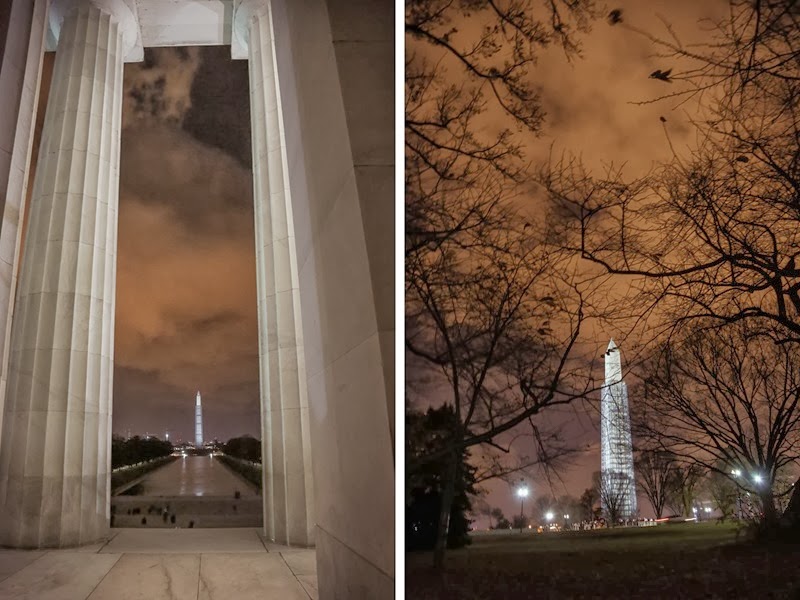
[591, 111]
[186, 288]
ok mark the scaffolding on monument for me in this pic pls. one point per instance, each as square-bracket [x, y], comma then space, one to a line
[616, 450]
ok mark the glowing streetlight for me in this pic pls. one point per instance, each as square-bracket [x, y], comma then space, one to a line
[757, 478]
[736, 473]
[522, 493]
[549, 517]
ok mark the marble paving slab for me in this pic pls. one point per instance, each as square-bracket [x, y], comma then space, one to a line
[301, 563]
[309, 583]
[140, 564]
[151, 577]
[185, 541]
[58, 576]
[12, 561]
[247, 577]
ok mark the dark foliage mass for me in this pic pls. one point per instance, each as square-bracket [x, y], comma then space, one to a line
[136, 449]
[251, 473]
[425, 432]
[245, 447]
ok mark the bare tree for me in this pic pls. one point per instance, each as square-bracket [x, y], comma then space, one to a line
[684, 484]
[464, 60]
[489, 307]
[730, 208]
[727, 396]
[656, 474]
[499, 321]
[723, 493]
[589, 504]
[731, 205]
[613, 490]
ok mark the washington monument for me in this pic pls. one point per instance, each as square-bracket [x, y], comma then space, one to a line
[198, 422]
[616, 454]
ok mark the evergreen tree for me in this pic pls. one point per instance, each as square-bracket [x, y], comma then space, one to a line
[426, 433]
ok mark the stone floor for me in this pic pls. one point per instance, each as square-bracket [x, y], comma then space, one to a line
[155, 564]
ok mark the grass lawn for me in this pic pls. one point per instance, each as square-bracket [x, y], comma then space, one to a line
[669, 561]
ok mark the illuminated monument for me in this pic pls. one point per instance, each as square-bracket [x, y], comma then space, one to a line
[616, 453]
[198, 422]
[321, 77]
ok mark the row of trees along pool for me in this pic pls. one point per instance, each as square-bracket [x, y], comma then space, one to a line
[245, 447]
[135, 450]
[131, 451]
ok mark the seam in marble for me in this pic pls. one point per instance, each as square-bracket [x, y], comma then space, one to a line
[108, 541]
[199, 575]
[45, 553]
[358, 554]
[261, 539]
[300, 583]
[103, 577]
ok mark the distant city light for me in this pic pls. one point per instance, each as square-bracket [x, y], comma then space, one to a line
[736, 472]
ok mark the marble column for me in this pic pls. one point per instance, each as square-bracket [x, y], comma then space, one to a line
[54, 454]
[288, 479]
[20, 70]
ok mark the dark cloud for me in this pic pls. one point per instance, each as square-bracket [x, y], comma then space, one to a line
[220, 111]
[158, 90]
[206, 188]
[186, 291]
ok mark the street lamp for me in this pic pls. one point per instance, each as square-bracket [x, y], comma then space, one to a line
[736, 473]
[522, 493]
[549, 517]
[757, 478]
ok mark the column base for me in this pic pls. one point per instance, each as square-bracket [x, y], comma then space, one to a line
[44, 512]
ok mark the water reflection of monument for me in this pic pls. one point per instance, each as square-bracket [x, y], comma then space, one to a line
[198, 422]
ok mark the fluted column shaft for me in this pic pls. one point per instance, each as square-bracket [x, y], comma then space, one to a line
[54, 457]
[288, 479]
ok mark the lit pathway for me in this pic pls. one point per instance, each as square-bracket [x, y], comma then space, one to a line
[168, 564]
[195, 476]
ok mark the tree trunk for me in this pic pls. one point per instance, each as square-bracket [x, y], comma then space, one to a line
[768, 505]
[448, 494]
